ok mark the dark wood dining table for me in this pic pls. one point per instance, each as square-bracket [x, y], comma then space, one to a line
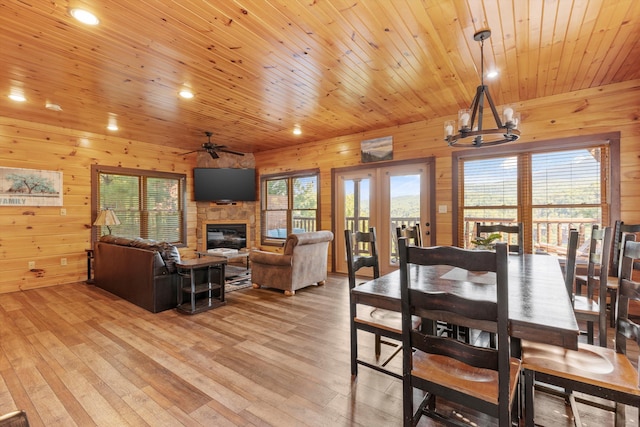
[539, 306]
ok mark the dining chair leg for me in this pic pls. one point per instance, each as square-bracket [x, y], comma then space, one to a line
[378, 346]
[529, 379]
[590, 333]
[602, 331]
[620, 414]
[613, 300]
[354, 348]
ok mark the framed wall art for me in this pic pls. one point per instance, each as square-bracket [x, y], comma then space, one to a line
[375, 150]
[30, 187]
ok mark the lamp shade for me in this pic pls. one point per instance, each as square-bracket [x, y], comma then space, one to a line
[107, 217]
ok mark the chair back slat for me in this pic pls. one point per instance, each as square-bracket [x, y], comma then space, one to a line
[472, 260]
[480, 357]
[516, 230]
[629, 290]
[445, 302]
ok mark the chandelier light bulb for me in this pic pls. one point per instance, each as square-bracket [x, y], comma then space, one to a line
[508, 114]
[449, 130]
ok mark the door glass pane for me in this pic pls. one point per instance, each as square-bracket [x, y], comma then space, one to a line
[356, 204]
[404, 206]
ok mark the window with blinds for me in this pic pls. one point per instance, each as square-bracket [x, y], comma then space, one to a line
[149, 204]
[550, 190]
[289, 205]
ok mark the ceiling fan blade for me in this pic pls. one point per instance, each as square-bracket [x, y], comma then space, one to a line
[189, 152]
[214, 155]
[230, 152]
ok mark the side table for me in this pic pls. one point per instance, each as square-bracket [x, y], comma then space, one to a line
[203, 295]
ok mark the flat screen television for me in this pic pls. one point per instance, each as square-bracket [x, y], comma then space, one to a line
[224, 185]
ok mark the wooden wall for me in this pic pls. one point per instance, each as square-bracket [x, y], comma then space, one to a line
[43, 235]
[593, 111]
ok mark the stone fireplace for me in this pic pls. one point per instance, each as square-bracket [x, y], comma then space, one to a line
[225, 216]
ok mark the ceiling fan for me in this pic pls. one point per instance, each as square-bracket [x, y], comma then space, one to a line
[213, 149]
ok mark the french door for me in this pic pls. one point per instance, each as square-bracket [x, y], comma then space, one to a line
[385, 198]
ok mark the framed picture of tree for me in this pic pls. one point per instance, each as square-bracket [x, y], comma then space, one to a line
[30, 187]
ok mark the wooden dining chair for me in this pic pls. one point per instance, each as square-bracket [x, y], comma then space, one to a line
[593, 370]
[414, 236]
[413, 233]
[509, 230]
[592, 307]
[483, 379]
[385, 325]
[614, 264]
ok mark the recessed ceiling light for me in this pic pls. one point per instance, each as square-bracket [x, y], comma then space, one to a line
[17, 97]
[17, 93]
[297, 130]
[113, 122]
[492, 74]
[53, 107]
[84, 16]
[186, 94]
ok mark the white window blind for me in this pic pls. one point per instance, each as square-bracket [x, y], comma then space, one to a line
[148, 204]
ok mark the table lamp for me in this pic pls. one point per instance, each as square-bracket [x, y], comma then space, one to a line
[107, 217]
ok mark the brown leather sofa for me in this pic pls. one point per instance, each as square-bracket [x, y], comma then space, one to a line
[303, 263]
[140, 271]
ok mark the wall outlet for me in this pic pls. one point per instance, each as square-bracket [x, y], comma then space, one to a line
[32, 265]
[63, 261]
[63, 211]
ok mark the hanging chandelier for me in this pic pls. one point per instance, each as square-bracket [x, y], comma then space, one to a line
[470, 131]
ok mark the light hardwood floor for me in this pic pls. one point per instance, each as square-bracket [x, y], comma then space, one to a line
[77, 355]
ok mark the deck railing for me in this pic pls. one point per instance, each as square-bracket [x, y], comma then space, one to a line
[549, 235]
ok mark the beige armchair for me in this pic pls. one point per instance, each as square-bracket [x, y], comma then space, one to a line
[303, 263]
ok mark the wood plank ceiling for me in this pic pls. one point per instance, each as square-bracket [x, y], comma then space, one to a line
[333, 67]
